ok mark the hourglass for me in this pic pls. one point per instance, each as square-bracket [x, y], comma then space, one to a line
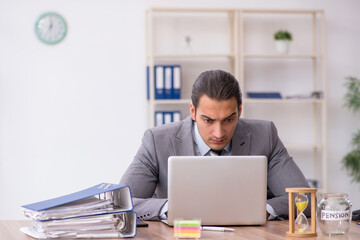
[301, 222]
[298, 227]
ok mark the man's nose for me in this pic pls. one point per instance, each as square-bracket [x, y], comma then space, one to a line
[218, 130]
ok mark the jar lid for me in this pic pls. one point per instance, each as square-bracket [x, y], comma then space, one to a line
[334, 195]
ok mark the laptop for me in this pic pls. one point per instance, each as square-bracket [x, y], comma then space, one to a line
[218, 190]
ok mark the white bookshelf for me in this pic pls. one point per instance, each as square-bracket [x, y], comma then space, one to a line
[242, 37]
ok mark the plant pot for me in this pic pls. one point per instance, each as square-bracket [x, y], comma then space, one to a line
[282, 46]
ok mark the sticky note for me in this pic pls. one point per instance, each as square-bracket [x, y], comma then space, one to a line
[187, 229]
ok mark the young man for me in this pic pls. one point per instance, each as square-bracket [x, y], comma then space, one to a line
[214, 127]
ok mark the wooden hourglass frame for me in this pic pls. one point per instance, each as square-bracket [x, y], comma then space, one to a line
[291, 232]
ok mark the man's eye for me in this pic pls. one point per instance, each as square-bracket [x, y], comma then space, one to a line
[208, 120]
[229, 119]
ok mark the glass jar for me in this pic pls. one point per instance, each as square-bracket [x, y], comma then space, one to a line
[334, 213]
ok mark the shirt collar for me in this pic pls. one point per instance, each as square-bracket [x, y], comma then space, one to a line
[203, 148]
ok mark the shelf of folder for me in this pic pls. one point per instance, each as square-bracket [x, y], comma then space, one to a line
[283, 100]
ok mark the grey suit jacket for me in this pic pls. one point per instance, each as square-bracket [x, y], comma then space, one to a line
[147, 174]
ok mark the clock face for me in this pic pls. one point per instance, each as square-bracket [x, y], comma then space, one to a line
[50, 28]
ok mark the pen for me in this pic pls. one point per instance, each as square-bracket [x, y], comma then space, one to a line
[219, 229]
[358, 223]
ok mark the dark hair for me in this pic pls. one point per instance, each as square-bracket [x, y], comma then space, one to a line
[216, 84]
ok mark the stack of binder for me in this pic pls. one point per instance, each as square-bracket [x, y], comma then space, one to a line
[165, 117]
[167, 80]
[101, 211]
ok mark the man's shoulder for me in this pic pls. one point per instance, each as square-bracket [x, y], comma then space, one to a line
[254, 122]
[255, 126]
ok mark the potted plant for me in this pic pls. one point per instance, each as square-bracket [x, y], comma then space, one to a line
[282, 40]
[351, 161]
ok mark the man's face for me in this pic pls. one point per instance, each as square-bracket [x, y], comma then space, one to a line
[216, 120]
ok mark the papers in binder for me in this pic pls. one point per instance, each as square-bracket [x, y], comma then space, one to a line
[87, 206]
[102, 226]
[104, 210]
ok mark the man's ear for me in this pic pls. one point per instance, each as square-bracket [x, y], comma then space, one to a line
[240, 109]
[192, 111]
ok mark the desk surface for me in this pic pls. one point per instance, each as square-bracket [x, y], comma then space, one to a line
[9, 229]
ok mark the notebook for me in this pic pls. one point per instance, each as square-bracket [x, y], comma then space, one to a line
[218, 190]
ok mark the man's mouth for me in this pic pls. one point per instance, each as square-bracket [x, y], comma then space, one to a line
[217, 141]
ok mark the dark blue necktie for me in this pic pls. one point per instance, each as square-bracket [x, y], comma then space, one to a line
[218, 152]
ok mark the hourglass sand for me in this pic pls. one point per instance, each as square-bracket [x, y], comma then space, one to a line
[301, 201]
[301, 222]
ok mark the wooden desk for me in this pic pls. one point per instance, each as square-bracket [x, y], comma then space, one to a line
[9, 229]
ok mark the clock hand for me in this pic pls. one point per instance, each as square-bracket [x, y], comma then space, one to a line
[51, 24]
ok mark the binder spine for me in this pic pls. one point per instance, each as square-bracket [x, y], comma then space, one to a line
[159, 118]
[147, 82]
[165, 117]
[176, 90]
[176, 116]
[159, 82]
[167, 82]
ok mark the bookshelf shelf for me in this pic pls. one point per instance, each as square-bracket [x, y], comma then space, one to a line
[172, 101]
[307, 100]
[283, 56]
[281, 11]
[192, 56]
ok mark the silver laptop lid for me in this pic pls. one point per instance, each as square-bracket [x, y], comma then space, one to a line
[219, 190]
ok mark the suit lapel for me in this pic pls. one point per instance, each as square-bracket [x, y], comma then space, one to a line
[241, 140]
[183, 142]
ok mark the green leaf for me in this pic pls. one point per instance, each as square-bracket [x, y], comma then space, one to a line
[351, 163]
[282, 35]
[356, 140]
[352, 96]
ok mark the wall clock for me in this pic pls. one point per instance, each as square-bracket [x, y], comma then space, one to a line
[50, 28]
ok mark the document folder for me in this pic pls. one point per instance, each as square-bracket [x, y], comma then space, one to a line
[276, 95]
[168, 82]
[104, 210]
[176, 89]
[159, 82]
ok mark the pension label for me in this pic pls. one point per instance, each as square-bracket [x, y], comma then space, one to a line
[335, 215]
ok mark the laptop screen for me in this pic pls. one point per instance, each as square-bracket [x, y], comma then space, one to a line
[218, 190]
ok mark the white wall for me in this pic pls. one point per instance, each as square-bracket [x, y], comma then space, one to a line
[72, 115]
